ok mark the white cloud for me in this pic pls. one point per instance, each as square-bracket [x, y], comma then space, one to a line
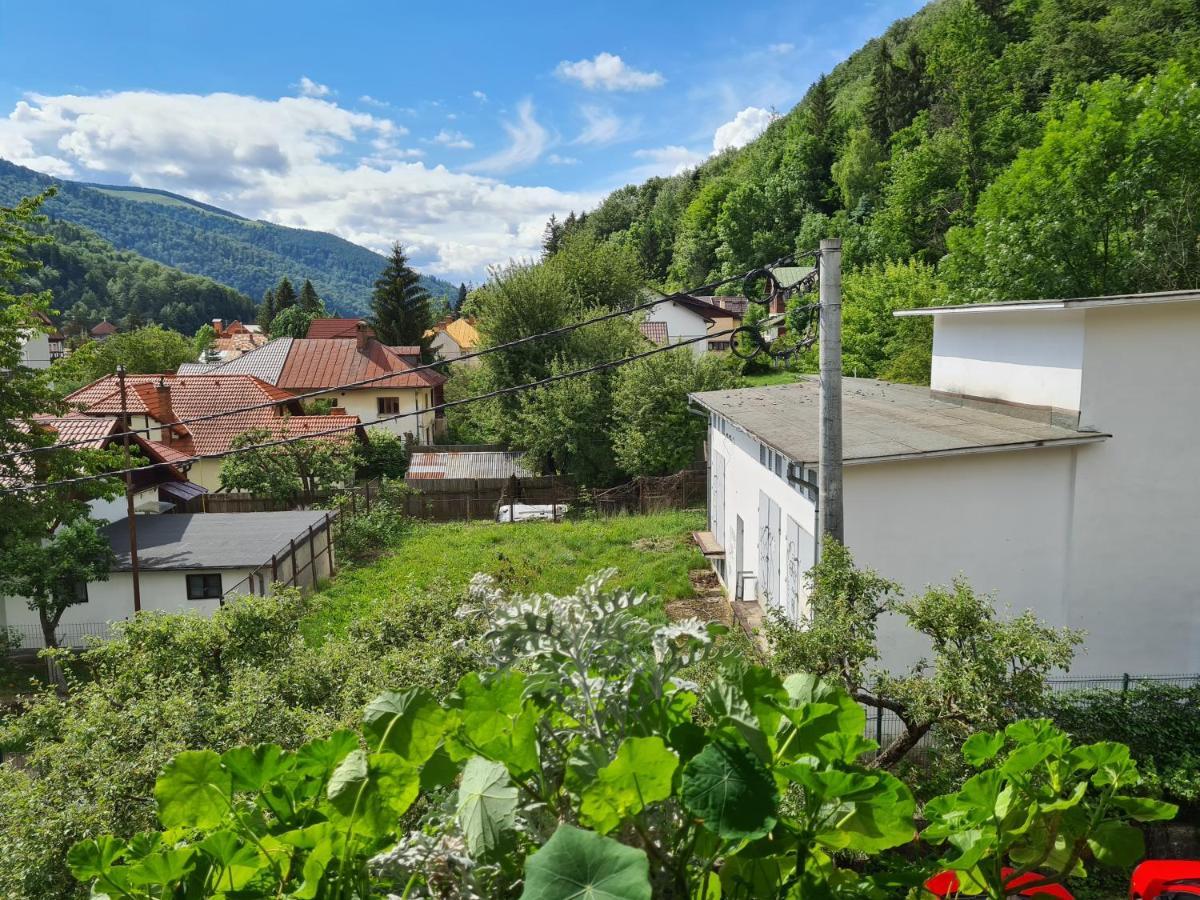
[372, 101]
[608, 72]
[298, 161]
[555, 160]
[781, 49]
[310, 88]
[669, 160]
[601, 126]
[454, 139]
[480, 96]
[742, 128]
[527, 141]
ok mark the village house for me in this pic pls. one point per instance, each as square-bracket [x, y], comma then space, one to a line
[396, 394]
[103, 331]
[232, 340]
[191, 563]
[681, 318]
[450, 338]
[1051, 461]
[164, 404]
[41, 346]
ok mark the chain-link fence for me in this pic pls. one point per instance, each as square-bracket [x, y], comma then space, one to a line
[30, 637]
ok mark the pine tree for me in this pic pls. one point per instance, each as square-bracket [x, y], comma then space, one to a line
[401, 304]
[551, 237]
[460, 300]
[309, 301]
[880, 109]
[285, 295]
[266, 310]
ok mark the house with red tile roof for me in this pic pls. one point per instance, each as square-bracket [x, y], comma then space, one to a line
[103, 331]
[399, 393]
[164, 404]
[233, 339]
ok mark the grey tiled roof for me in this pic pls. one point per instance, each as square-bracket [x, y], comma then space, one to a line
[880, 421]
[180, 542]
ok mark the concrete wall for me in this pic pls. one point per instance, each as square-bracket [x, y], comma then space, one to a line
[682, 324]
[35, 352]
[1033, 358]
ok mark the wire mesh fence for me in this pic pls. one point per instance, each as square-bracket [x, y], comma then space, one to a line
[30, 637]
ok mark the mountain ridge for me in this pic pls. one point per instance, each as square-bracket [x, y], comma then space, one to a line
[247, 255]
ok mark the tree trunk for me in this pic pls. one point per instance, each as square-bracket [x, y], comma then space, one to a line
[49, 627]
[898, 749]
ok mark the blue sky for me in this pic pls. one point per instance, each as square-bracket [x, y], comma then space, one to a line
[455, 128]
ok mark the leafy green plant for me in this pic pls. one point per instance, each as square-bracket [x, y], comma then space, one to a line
[576, 765]
[1045, 805]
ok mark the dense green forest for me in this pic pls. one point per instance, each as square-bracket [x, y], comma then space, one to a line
[248, 256]
[90, 280]
[980, 150]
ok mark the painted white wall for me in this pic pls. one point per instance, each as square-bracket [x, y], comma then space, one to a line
[116, 508]
[1033, 358]
[35, 352]
[745, 478]
[682, 324]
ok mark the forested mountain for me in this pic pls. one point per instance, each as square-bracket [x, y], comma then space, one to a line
[249, 256]
[982, 150]
[90, 280]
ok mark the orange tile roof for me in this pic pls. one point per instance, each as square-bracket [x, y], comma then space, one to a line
[462, 331]
[328, 362]
[322, 329]
[191, 396]
[91, 432]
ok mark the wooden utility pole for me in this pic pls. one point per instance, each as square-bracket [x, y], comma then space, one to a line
[830, 521]
[126, 426]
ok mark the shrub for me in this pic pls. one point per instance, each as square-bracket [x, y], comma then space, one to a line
[362, 534]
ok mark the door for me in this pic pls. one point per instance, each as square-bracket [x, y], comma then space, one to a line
[767, 574]
[716, 498]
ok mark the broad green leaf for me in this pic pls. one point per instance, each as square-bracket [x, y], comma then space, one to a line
[730, 791]
[90, 859]
[585, 761]
[320, 758]
[1145, 809]
[972, 844]
[194, 790]
[640, 775]
[582, 865]
[239, 861]
[487, 806]
[1117, 844]
[1026, 757]
[496, 722]
[752, 877]
[439, 770]
[166, 867]
[252, 768]
[410, 725]
[801, 688]
[982, 746]
[864, 811]
[370, 793]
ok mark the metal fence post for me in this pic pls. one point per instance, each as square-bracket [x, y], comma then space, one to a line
[1124, 685]
[879, 728]
[295, 574]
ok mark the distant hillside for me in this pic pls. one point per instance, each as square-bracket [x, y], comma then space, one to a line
[249, 256]
[90, 280]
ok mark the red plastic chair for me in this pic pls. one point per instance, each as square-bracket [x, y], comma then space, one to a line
[945, 884]
[1166, 879]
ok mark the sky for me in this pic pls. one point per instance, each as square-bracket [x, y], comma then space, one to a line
[454, 128]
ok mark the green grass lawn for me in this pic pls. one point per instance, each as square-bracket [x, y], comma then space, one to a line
[650, 553]
[769, 378]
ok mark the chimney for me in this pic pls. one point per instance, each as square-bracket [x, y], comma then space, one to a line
[361, 330]
[218, 326]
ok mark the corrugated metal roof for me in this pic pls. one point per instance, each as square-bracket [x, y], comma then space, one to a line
[1110, 300]
[209, 540]
[480, 464]
[881, 421]
[790, 276]
[266, 362]
[321, 329]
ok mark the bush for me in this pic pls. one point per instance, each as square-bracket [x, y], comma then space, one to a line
[383, 456]
[1160, 723]
[362, 534]
[170, 683]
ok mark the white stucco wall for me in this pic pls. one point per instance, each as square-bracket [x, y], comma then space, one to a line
[682, 324]
[363, 403]
[1031, 358]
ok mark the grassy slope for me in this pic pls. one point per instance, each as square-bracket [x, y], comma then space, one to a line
[651, 553]
[769, 378]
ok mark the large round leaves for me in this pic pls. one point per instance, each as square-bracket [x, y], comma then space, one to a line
[582, 865]
[727, 788]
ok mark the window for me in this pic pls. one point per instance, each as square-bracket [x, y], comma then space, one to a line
[204, 587]
[387, 406]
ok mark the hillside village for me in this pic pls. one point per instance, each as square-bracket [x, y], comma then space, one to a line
[814, 520]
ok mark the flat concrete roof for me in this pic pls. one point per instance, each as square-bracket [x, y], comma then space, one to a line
[1112, 300]
[882, 422]
[187, 541]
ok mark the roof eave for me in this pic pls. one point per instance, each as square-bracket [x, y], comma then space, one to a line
[1106, 302]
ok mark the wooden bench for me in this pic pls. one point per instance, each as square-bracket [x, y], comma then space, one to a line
[708, 545]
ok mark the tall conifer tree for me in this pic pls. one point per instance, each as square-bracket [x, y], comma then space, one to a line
[309, 301]
[401, 304]
[285, 295]
[266, 310]
[460, 299]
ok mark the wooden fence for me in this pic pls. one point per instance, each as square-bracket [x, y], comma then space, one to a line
[648, 494]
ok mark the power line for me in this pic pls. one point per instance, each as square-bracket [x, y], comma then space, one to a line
[489, 395]
[517, 342]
